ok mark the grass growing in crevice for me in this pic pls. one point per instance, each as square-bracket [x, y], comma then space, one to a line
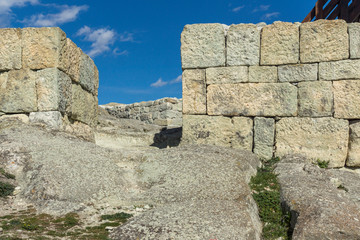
[6, 189]
[322, 164]
[266, 192]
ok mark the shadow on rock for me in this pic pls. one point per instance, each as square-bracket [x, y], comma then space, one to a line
[167, 138]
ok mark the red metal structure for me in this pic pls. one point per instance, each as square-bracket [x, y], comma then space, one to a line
[349, 10]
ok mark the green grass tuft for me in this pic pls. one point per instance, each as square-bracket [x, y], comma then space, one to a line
[6, 189]
[322, 164]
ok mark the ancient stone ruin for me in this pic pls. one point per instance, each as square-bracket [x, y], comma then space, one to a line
[276, 89]
[46, 76]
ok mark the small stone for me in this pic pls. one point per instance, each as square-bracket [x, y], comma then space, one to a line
[264, 134]
[222, 75]
[298, 72]
[339, 70]
[263, 74]
[52, 119]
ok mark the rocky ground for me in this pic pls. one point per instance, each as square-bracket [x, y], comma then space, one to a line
[137, 182]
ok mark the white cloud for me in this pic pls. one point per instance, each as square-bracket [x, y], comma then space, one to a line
[66, 14]
[262, 8]
[126, 37]
[6, 14]
[101, 39]
[117, 52]
[237, 9]
[271, 15]
[161, 83]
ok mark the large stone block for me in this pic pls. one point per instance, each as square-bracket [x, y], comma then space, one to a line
[263, 74]
[298, 72]
[354, 35]
[194, 92]
[217, 130]
[41, 47]
[203, 45]
[339, 70]
[325, 139]
[347, 99]
[315, 99]
[264, 136]
[87, 73]
[10, 49]
[222, 75]
[53, 90]
[83, 106]
[324, 40]
[243, 45]
[252, 99]
[280, 44]
[354, 145]
[52, 119]
[70, 60]
[18, 91]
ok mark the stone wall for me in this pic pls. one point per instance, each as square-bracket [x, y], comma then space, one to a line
[163, 112]
[276, 89]
[46, 76]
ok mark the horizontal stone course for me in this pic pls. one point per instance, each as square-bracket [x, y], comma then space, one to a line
[261, 74]
[227, 75]
[298, 72]
[339, 70]
[252, 99]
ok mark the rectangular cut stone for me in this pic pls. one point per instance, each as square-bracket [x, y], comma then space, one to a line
[252, 99]
[315, 99]
[243, 45]
[298, 72]
[194, 92]
[279, 44]
[10, 49]
[87, 73]
[52, 119]
[18, 91]
[354, 35]
[83, 106]
[203, 45]
[325, 139]
[347, 99]
[41, 47]
[263, 74]
[217, 130]
[221, 75]
[53, 90]
[264, 134]
[324, 40]
[70, 60]
[339, 70]
[354, 145]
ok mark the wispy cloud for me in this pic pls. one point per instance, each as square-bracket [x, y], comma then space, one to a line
[237, 9]
[118, 52]
[101, 39]
[66, 14]
[126, 37]
[6, 14]
[161, 83]
[262, 8]
[268, 16]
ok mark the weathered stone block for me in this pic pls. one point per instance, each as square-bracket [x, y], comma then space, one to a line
[354, 35]
[298, 72]
[347, 99]
[41, 47]
[194, 92]
[243, 45]
[325, 139]
[354, 145]
[18, 91]
[217, 130]
[324, 40]
[70, 60]
[280, 44]
[87, 73]
[203, 45]
[96, 80]
[10, 49]
[263, 74]
[221, 75]
[264, 134]
[83, 106]
[346, 69]
[252, 99]
[52, 119]
[315, 99]
[53, 90]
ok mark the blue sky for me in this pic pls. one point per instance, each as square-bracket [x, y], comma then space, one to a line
[136, 43]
